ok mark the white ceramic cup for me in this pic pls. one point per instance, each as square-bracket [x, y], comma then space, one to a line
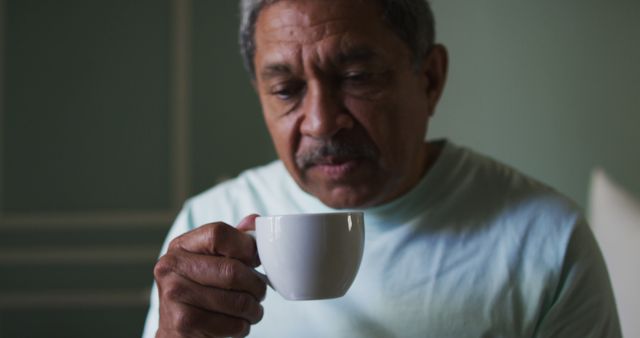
[311, 256]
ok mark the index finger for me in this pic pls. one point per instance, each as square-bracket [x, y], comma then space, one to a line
[219, 239]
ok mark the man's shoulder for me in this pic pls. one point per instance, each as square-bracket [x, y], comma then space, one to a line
[515, 209]
[493, 181]
[497, 175]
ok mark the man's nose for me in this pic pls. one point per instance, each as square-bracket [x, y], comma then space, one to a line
[324, 112]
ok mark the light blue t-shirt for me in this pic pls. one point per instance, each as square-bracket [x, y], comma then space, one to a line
[476, 249]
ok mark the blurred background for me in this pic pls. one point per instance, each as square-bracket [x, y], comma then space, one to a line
[112, 112]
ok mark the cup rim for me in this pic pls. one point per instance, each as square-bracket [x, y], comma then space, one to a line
[334, 213]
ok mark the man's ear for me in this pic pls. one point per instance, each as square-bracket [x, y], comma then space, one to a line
[434, 68]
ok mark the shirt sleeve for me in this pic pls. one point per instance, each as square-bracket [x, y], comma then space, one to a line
[182, 224]
[583, 305]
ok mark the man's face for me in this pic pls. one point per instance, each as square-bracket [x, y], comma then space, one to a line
[343, 102]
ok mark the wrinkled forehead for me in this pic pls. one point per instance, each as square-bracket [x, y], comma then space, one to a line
[307, 21]
[336, 29]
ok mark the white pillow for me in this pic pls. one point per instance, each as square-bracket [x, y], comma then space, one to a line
[615, 218]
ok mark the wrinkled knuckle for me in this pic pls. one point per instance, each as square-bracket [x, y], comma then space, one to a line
[184, 322]
[164, 266]
[215, 234]
[228, 270]
[174, 244]
[175, 292]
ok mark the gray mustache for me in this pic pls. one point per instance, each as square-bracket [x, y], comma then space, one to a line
[335, 149]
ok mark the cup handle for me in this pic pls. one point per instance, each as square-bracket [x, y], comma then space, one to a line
[260, 275]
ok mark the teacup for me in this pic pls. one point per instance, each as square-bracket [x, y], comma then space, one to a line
[311, 256]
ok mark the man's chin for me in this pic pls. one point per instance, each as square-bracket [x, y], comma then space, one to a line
[353, 184]
[345, 197]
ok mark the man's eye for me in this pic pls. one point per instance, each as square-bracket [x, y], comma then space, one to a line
[358, 77]
[287, 92]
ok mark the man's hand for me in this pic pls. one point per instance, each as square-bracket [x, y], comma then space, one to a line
[207, 285]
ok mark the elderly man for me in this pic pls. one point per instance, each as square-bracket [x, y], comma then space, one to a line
[457, 244]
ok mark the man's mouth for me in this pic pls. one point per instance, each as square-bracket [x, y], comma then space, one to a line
[337, 159]
[335, 168]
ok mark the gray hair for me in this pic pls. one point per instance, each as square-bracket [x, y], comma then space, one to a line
[411, 20]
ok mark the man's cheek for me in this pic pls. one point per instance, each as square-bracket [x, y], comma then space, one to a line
[371, 116]
[284, 136]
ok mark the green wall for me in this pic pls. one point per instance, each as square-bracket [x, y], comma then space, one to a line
[89, 137]
[550, 87]
[228, 133]
[92, 125]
